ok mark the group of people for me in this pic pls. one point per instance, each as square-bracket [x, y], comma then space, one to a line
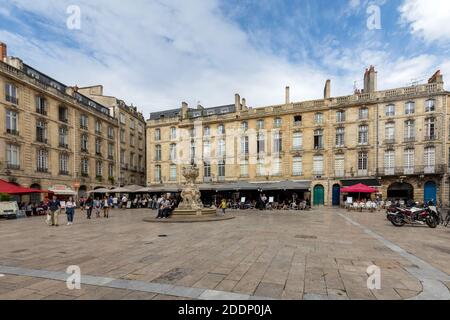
[264, 203]
[53, 207]
[97, 205]
[164, 206]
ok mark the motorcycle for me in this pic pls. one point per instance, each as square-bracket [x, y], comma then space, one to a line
[415, 216]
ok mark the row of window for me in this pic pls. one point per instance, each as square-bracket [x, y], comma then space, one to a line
[42, 162]
[318, 165]
[297, 139]
[122, 120]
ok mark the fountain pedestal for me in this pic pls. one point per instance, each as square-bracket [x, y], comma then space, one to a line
[191, 205]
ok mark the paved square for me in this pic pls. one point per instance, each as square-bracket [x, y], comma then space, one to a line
[320, 254]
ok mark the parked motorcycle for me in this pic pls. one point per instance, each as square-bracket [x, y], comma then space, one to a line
[415, 215]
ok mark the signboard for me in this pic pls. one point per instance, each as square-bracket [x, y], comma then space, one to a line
[60, 189]
[243, 200]
[129, 205]
[349, 199]
[271, 199]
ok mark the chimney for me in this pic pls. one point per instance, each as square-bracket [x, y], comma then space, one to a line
[327, 90]
[3, 51]
[184, 110]
[244, 103]
[436, 77]
[287, 95]
[237, 102]
[370, 80]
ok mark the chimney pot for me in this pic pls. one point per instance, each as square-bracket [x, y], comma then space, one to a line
[3, 51]
[287, 95]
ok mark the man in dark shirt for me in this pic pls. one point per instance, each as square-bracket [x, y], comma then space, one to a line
[54, 207]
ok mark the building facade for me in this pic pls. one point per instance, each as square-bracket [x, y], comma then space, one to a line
[51, 135]
[130, 143]
[396, 140]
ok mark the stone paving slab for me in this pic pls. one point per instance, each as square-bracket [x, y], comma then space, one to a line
[323, 253]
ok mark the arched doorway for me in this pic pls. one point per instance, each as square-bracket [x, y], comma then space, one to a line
[35, 197]
[319, 195]
[82, 191]
[429, 192]
[401, 191]
[336, 195]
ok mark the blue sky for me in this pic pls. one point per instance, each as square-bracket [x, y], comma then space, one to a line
[157, 54]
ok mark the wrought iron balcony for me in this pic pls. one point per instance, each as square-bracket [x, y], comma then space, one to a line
[410, 139]
[416, 170]
[389, 141]
[63, 145]
[41, 111]
[42, 170]
[64, 173]
[42, 140]
[12, 99]
[13, 166]
[430, 137]
[12, 132]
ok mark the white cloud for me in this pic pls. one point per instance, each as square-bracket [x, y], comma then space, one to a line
[156, 54]
[427, 19]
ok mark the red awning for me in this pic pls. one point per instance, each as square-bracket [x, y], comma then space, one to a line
[359, 188]
[10, 188]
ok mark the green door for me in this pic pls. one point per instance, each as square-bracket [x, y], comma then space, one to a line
[319, 195]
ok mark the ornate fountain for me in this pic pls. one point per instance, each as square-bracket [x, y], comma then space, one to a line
[191, 204]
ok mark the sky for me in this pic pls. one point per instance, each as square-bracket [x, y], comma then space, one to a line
[158, 53]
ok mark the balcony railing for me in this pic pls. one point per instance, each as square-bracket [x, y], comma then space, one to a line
[41, 111]
[430, 137]
[85, 150]
[410, 139]
[12, 99]
[63, 145]
[110, 157]
[42, 140]
[64, 173]
[389, 141]
[64, 119]
[13, 166]
[85, 174]
[416, 170]
[84, 126]
[12, 132]
[42, 170]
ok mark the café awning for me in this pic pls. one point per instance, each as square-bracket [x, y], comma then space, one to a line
[359, 188]
[10, 188]
[62, 190]
[100, 191]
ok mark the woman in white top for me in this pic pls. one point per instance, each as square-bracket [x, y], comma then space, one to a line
[70, 211]
[105, 204]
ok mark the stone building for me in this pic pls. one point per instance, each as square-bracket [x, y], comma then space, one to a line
[51, 135]
[396, 140]
[130, 143]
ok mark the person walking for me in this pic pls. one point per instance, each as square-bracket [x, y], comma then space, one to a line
[54, 207]
[105, 207]
[88, 204]
[97, 207]
[70, 211]
[124, 202]
[223, 206]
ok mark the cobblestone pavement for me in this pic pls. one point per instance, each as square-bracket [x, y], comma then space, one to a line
[319, 254]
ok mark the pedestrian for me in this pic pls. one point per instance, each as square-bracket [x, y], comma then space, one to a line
[70, 211]
[54, 207]
[97, 207]
[88, 204]
[82, 201]
[115, 202]
[223, 206]
[124, 202]
[105, 207]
